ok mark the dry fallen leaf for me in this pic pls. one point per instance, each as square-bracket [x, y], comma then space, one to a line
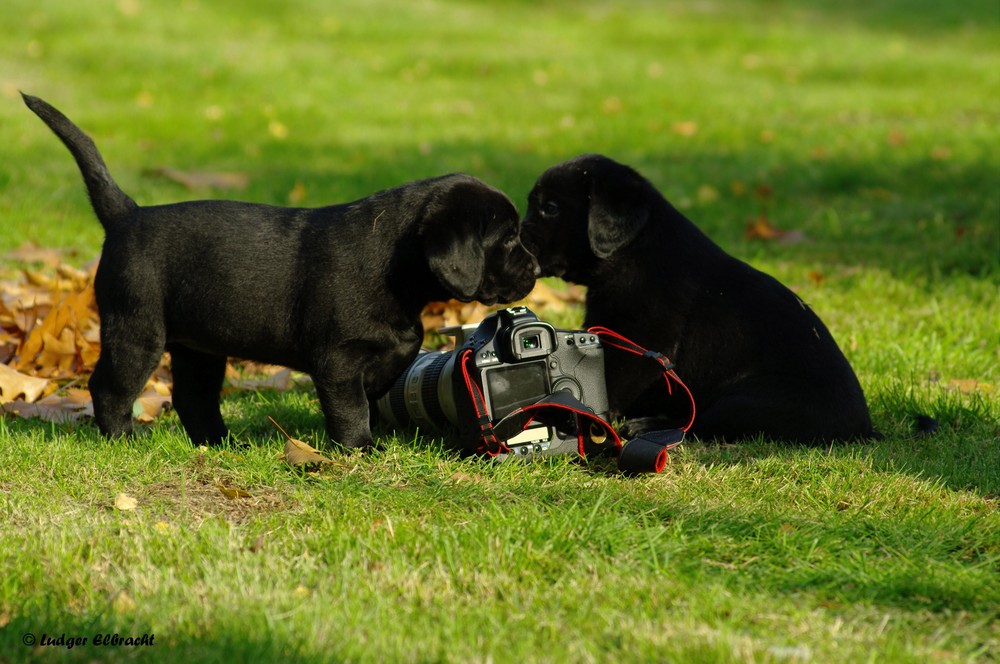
[202, 179]
[896, 138]
[453, 313]
[298, 453]
[51, 409]
[297, 194]
[686, 128]
[149, 406]
[968, 385]
[32, 253]
[232, 492]
[546, 298]
[277, 129]
[14, 384]
[125, 502]
[707, 194]
[762, 229]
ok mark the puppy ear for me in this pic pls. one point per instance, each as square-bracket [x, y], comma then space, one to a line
[453, 245]
[619, 209]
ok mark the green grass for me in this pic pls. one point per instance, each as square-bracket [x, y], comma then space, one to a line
[874, 125]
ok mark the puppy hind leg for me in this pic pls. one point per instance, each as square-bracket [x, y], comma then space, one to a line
[198, 381]
[119, 376]
[345, 407]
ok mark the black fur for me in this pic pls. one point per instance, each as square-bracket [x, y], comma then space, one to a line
[334, 291]
[755, 356]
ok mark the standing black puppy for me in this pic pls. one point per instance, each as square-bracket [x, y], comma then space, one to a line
[335, 291]
[756, 358]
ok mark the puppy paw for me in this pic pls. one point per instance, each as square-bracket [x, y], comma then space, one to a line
[362, 443]
[637, 426]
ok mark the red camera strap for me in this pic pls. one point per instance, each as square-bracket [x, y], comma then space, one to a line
[612, 339]
[645, 453]
[489, 443]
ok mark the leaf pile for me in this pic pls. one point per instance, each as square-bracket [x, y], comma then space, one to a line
[543, 298]
[50, 340]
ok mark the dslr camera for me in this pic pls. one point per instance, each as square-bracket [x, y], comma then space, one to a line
[515, 360]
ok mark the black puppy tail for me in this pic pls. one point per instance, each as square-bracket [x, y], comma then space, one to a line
[110, 203]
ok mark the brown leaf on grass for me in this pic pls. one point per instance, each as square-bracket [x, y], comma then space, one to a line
[54, 408]
[150, 406]
[612, 105]
[707, 194]
[298, 453]
[816, 277]
[297, 194]
[685, 128]
[125, 502]
[14, 384]
[453, 313]
[896, 138]
[232, 492]
[762, 229]
[29, 252]
[546, 298]
[940, 153]
[48, 282]
[202, 179]
[61, 343]
[258, 544]
[968, 385]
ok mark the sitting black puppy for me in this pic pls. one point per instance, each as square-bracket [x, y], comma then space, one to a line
[335, 291]
[756, 358]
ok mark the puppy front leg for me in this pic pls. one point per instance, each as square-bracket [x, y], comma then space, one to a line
[119, 376]
[345, 408]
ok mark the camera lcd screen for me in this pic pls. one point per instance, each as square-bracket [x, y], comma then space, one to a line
[512, 386]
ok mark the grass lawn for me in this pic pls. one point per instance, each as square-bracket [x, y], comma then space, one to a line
[867, 129]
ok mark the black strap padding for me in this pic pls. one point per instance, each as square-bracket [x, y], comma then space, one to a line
[648, 453]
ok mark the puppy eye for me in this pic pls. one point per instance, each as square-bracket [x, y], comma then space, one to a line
[549, 209]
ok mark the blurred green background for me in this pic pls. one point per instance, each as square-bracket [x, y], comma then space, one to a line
[873, 125]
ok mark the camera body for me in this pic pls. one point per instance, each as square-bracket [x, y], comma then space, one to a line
[516, 360]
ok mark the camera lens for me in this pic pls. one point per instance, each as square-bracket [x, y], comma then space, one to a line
[422, 395]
